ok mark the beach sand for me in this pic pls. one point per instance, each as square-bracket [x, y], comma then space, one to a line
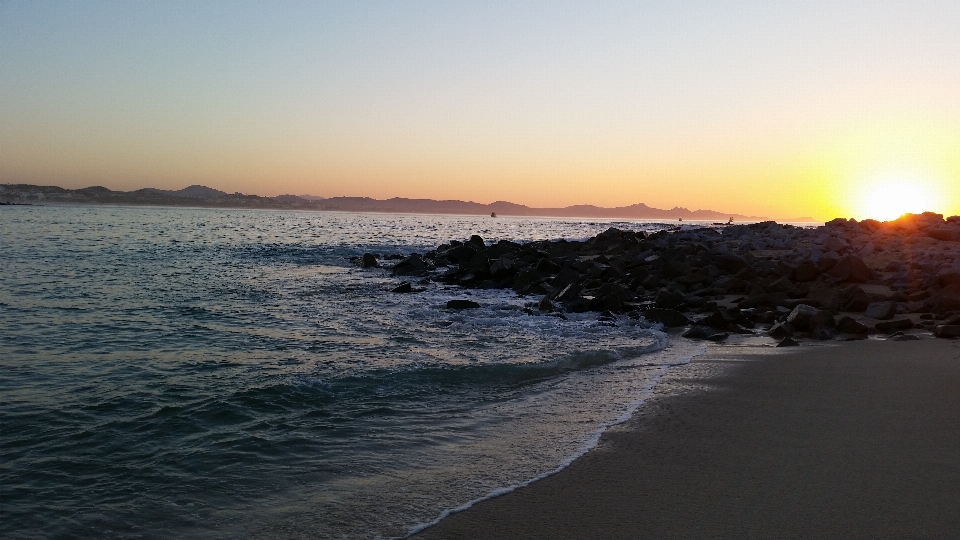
[851, 440]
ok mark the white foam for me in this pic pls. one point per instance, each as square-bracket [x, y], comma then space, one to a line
[590, 444]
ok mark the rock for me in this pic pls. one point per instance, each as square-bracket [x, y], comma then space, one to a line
[730, 263]
[546, 266]
[849, 325]
[404, 287]
[699, 332]
[462, 304]
[834, 244]
[949, 235]
[526, 278]
[667, 317]
[476, 240]
[855, 299]
[806, 271]
[788, 342]
[565, 277]
[780, 331]
[881, 310]
[801, 316]
[947, 331]
[948, 278]
[826, 298]
[905, 337]
[669, 299]
[851, 268]
[546, 305]
[719, 337]
[823, 333]
[411, 266]
[889, 327]
[369, 260]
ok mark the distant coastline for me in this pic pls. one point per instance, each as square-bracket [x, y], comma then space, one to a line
[203, 196]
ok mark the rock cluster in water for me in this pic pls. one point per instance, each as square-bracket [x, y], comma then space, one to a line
[843, 280]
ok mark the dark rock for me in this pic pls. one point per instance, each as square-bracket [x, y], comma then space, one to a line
[526, 278]
[699, 332]
[905, 337]
[851, 268]
[462, 304]
[667, 317]
[404, 287]
[881, 310]
[823, 333]
[546, 266]
[849, 325]
[369, 260]
[855, 299]
[719, 337]
[476, 240]
[413, 265]
[669, 299]
[565, 277]
[801, 316]
[949, 235]
[947, 331]
[546, 305]
[806, 271]
[730, 263]
[888, 327]
[780, 330]
[948, 278]
[825, 298]
[788, 342]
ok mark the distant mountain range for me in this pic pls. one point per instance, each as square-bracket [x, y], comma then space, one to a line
[208, 197]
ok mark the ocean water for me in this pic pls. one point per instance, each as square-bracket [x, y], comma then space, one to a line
[206, 373]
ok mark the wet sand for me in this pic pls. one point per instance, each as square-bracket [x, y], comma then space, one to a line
[856, 440]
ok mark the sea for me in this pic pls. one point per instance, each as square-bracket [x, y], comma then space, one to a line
[223, 373]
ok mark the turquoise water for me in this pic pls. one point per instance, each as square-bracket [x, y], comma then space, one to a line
[202, 373]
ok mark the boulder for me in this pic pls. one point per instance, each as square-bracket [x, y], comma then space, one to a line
[669, 299]
[823, 333]
[730, 263]
[855, 299]
[801, 317]
[788, 342]
[411, 266]
[947, 331]
[948, 235]
[905, 337]
[851, 268]
[881, 310]
[849, 325]
[699, 332]
[667, 317]
[369, 260]
[806, 271]
[835, 244]
[948, 278]
[827, 298]
[404, 287]
[888, 327]
[462, 304]
[780, 331]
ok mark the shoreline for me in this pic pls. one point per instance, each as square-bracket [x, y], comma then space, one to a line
[848, 440]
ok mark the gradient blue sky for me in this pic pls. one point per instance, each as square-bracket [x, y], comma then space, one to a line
[777, 108]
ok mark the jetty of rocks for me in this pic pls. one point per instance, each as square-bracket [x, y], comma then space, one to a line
[843, 280]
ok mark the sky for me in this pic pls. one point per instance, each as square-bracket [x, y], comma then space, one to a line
[771, 108]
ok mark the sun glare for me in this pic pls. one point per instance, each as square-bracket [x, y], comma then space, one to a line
[890, 200]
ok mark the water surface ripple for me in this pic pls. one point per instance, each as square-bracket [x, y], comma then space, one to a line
[203, 373]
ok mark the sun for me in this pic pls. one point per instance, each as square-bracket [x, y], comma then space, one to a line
[891, 199]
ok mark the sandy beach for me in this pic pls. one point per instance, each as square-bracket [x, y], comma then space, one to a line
[849, 440]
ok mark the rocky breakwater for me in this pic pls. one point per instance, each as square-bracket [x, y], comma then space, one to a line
[843, 280]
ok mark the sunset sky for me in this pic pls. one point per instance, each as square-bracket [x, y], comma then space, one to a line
[773, 108]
